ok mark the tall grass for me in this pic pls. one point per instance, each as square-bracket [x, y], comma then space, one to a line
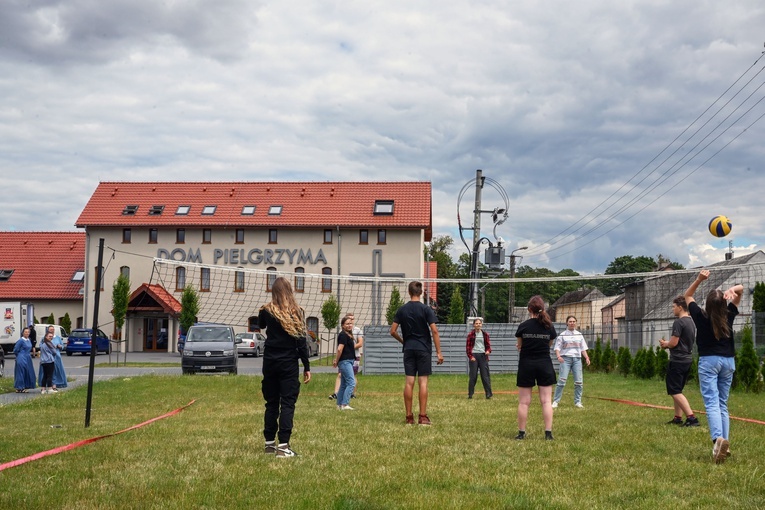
[608, 455]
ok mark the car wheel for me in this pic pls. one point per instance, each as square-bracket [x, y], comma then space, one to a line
[257, 352]
[2, 368]
[235, 371]
[186, 371]
[109, 349]
[68, 353]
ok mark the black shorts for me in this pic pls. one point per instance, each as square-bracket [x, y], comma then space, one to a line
[677, 376]
[417, 363]
[539, 372]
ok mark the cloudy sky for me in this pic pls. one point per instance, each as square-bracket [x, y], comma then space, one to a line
[614, 128]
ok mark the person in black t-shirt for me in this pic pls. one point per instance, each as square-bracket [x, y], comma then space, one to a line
[680, 346]
[534, 339]
[344, 359]
[714, 339]
[282, 319]
[418, 323]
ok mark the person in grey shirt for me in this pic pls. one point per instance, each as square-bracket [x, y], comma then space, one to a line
[680, 346]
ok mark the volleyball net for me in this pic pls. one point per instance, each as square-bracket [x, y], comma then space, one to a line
[632, 310]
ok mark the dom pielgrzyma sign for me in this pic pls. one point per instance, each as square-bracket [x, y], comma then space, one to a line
[241, 256]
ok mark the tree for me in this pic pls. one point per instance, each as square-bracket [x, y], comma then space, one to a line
[457, 309]
[550, 291]
[596, 358]
[438, 250]
[662, 362]
[628, 264]
[189, 308]
[607, 359]
[330, 314]
[624, 360]
[747, 363]
[51, 319]
[120, 298]
[395, 303]
[66, 322]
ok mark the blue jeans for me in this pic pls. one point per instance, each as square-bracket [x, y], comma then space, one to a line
[715, 378]
[347, 382]
[570, 364]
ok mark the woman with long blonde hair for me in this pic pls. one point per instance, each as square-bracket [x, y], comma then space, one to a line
[283, 320]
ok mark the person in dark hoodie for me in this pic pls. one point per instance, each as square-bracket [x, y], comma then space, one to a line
[284, 323]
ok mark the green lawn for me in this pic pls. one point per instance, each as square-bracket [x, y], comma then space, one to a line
[608, 455]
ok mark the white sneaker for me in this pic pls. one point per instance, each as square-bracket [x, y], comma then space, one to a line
[346, 408]
[579, 405]
[554, 405]
[720, 450]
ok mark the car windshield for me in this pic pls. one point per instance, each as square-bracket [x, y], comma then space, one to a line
[81, 334]
[209, 335]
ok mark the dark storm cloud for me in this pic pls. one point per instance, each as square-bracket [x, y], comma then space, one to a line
[61, 32]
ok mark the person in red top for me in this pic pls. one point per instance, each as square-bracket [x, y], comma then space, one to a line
[478, 348]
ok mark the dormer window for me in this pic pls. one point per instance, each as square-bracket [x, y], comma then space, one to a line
[182, 210]
[248, 210]
[130, 210]
[209, 210]
[383, 207]
[275, 210]
[5, 274]
[156, 210]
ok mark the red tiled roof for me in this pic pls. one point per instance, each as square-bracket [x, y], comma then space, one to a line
[43, 264]
[304, 204]
[159, 298]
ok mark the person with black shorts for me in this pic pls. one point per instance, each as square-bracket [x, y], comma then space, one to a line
[534, 338]
[680, 346]
[418, 323]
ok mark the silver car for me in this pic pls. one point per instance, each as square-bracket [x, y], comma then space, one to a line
[252, 344]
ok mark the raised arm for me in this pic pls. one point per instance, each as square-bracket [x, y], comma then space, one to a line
[734, 294]
[691, 290]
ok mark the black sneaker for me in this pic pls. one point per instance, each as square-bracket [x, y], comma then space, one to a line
[333, 396]
[676, 421]
[521, 435]
[548, 435]
[692, 422]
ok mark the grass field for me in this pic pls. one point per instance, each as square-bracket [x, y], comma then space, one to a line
[608, 455]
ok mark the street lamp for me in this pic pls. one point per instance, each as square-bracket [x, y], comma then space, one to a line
[511, 287]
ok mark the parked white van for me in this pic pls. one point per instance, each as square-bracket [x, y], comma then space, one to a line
[57, 331]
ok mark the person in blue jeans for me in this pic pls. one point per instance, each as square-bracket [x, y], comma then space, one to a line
[714, 339]
[570, 346]
[344, 359]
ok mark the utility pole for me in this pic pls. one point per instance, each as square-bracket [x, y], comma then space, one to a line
[511, 287]
[476, 242]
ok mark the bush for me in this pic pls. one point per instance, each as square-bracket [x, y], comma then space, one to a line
[608, 359]
[625, 361]
[597, 354]
[637, 363]
[747, 373]
[649, 369]
[662, 362]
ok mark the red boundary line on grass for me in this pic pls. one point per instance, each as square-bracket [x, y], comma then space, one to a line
[652, 406]
[84, 442]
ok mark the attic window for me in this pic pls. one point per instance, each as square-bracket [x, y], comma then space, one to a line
[182, 210]
[248, 210]
[5, 274]
[275, 210]
[78, 276]
[209, 210]
[156, 210]
[130, 210]
[384, 207]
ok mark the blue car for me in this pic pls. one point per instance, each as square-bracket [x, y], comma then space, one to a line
[80, 340]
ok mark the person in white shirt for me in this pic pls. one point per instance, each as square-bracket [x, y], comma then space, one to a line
[570, 346]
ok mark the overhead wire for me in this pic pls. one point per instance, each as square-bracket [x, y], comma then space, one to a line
[545, 248]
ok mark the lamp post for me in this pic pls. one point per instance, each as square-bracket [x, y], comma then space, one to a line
[511, 287]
